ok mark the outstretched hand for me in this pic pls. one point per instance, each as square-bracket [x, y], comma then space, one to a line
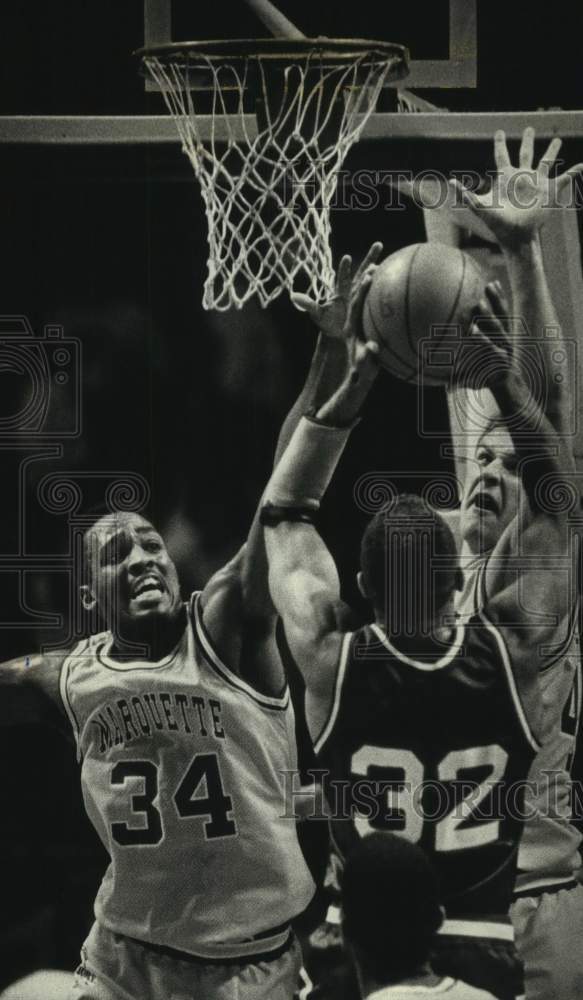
[339, 317]
[485, 356]
[513, 209]
[363, 368]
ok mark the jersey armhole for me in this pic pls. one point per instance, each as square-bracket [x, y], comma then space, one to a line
[336, 694]
[573, 623]
[214, 661]
[64, 677]
[565, 646]
[511, 681]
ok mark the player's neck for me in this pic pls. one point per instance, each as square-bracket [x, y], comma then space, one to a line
[159, 636]
[424, 977]
[471, 554]
[432, 642]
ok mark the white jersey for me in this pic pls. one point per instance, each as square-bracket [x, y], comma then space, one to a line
[447, 989]
[183, 774]
[549, 846]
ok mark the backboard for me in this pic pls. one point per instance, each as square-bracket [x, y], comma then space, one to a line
[443, 43]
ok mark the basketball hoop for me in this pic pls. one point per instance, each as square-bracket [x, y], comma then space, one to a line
[282, 116]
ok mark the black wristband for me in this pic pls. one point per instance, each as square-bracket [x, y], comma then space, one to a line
[270, 515]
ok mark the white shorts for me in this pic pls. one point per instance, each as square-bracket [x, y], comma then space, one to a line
[549, 934]
[114, 967]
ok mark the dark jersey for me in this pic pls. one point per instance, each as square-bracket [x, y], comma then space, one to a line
[436, 751]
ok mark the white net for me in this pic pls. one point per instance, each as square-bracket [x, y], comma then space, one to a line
[268, 181]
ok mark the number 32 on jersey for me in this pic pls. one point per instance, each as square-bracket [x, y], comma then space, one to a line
[405, 785]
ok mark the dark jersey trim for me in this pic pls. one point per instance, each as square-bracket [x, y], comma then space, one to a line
[133, 665]
[543, 889]
[511, 682]
[64, 674]
[341, 668]
[430, 666]
[566, 645]
[191, 958]
[217, 665]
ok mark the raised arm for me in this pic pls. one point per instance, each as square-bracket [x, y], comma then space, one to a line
[238, 611]
[530, 575]
[302, 575]
[514, 210]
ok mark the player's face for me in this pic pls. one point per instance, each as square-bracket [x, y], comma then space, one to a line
[132, 577]
[493, 492]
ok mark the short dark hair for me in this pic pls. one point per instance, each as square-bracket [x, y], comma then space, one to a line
[391, 906]
[86, 567]
[409, 562]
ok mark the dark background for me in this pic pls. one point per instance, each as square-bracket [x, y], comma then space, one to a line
[110, 242]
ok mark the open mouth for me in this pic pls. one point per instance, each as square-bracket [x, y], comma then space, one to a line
[148, 585]
[485, 503]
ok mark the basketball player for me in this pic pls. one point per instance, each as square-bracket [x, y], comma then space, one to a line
[411, 700]
[548, 911]
[391, 913]
[182, 727]
[183, 724]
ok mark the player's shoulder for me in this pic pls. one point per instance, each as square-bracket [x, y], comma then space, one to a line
[464, 991]
[472, 641]
[45, 668]
[227, 578]
[483, 638]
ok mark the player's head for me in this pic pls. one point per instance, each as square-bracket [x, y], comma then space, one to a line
[129, 575]
[493, 489]
[390, 908]
[409, 566]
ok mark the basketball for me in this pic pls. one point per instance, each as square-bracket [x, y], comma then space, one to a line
[417, 293]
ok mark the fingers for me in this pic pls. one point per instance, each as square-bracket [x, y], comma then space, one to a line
[547, 161]
[497, 300]
[489, 326]
[354, 319]
[344, 276]
[526, 154]
[357, 304]
[467, 197]
[568, 176]
[485, 355]
[365, 361]
[501, 157]
[305, 304]
[488, 341]
[369, 264]
[372, 257]
[366, 352]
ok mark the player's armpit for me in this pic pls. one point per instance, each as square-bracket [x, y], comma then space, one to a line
[29, 691]
[318, 660]
[532, 602]
[306, 595]
[531, 582]
[522, 653]
[241, 634]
